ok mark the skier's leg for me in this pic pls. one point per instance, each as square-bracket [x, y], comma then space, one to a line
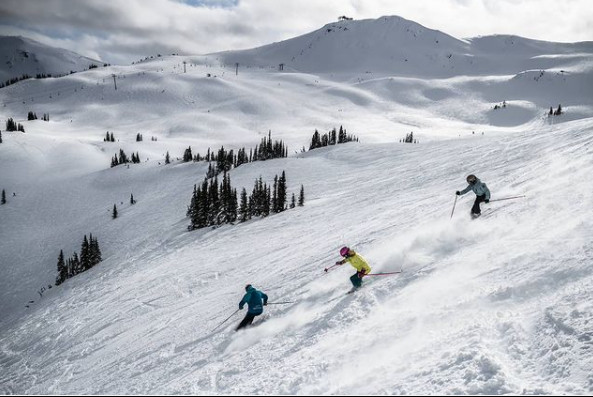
[246, 321]
[476, 208]
[355, 280]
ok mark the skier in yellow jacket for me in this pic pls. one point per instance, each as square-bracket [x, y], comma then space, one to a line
[358, 262]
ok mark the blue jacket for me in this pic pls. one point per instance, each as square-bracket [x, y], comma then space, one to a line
[479, 188]
[254, 298]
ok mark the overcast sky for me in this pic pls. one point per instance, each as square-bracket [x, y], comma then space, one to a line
[122, 31]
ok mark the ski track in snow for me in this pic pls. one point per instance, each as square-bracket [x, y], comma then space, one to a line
[499, 305]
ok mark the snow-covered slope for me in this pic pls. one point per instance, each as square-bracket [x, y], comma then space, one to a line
[396, 46]
[493, 306]
[20, 55]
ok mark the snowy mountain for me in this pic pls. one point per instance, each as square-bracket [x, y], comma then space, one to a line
[20, 55]
[395, 46]
[498, 305]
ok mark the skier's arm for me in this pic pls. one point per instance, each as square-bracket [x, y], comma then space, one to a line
[467, 189]
[265, 298]
[243, 302]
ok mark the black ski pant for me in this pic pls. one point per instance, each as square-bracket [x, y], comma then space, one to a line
[246, 321]
[476, 207]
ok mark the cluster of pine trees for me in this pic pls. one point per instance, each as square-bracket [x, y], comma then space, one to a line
[45, 75]
[90, 255]
[14, 80]
[213, 204]
[139, 137]
[12, 125]
[225, 160]
[124, 159]
[556, 112]
[26, 77]
[109, 137]
[410, 138]
[33, 116]
[331, 138]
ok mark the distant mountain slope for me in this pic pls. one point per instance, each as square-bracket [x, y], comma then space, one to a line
[397, 46]
[20, 55]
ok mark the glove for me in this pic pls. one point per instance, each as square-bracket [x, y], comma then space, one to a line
[265, 303]
[458, 193]
[361, 274]
[240, 307]
[487, 201]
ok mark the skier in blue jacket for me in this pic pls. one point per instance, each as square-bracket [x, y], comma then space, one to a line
[255, 300]
[480, 189]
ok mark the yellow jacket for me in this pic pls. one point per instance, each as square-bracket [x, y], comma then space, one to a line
[359, 263]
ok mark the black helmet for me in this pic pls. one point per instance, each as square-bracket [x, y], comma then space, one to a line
[247, 287]
[471, 178]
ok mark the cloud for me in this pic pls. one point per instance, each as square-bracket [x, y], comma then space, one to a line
[121, 32]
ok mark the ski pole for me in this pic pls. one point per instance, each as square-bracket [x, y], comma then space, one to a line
[327, 268]
[279, 303]
[508, 198]
[225, 320]
[455, 202]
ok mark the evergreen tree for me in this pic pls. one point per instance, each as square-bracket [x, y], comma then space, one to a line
[341, 135]
[215, 206]
[551, 111]
[267, 201]
[69, 267]
[76, 268]
[269, 146]
[114, 212]
[244, 208]
[275, 205]
[94, 251]
[10, 125]
[132, 201]
[112, 137]
[62, 269]
[203, 204]
[167, 158]
[31, 116]
[293, 201]
[0, 136]
[85, 262]
[282, 192]
[302, 196]
[559, 110]
[315, 141]
[123, 157]
[3, 200]
[187, 155]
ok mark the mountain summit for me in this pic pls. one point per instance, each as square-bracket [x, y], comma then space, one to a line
[20, 55]
[397, 46]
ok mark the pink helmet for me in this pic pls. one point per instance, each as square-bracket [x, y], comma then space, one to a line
[344, 251]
